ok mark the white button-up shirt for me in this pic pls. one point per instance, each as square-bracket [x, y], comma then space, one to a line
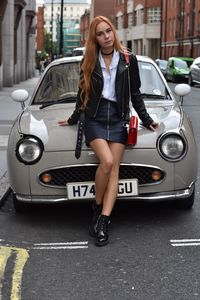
[109, 76]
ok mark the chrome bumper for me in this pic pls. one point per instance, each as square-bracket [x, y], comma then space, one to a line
[153, 197]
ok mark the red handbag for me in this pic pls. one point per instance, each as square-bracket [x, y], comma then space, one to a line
[132, 131]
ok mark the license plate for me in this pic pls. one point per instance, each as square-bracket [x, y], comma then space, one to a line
[86, 190]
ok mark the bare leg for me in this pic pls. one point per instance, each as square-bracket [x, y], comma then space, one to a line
[107, 174]
[112, 186]
[104, 154]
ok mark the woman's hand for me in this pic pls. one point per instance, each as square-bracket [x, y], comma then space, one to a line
[153, 126]
[63, 123]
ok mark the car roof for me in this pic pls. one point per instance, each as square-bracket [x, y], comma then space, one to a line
[182, 58]
[79, 58]
[197, 60]
[79, 48]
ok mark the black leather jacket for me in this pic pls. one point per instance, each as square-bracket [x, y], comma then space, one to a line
[122, 92]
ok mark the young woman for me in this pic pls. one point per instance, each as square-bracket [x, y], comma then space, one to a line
[104, 96]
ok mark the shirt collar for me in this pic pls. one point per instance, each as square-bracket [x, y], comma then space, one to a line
[114, 62]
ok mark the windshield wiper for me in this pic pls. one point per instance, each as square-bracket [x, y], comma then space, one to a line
[153, 96]
[65, 100]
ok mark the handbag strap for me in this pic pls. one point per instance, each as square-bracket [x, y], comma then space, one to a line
[129, 84]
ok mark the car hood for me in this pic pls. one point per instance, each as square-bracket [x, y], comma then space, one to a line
[183, 70]
[43, 124]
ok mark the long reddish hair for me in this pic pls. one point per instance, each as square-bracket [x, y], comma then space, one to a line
[91, 56]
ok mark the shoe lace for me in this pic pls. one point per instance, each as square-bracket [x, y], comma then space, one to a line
[102, 224]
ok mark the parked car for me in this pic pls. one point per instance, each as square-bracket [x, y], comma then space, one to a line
[194, 74]
[162, 64]
[178, 68]
[78, 51]
[42, 167]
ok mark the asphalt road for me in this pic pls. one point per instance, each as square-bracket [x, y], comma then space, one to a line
[47, 254]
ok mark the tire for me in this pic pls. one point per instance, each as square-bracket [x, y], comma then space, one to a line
[185, 203]
[20, 207]
[190, 82]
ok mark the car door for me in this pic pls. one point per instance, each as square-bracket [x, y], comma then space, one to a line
[196, 70]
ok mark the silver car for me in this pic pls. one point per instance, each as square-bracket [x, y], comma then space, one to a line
[42, 166]
[194, 75]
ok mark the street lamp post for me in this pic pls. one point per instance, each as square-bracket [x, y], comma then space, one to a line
[61, 30]
[51, 29]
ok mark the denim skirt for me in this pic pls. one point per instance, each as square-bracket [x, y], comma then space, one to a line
[106, 125]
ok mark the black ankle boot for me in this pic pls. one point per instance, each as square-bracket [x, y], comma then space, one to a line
[102, 231]
[96, 208]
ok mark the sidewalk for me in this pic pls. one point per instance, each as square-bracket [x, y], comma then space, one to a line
[9, 110]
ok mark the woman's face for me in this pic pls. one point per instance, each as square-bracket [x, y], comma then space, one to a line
[104, 36]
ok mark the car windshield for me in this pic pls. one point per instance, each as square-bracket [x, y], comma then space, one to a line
[163, 64]
[151, 82]
[180, 64]
[60, 83]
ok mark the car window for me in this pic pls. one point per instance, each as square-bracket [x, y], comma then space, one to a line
[151, 81]
[77, 52]
[163, 64]
[60, 82]
[180, 64]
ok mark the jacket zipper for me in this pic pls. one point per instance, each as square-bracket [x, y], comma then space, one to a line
[108, 122]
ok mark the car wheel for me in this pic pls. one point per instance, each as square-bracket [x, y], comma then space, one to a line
[185, 203]
[190, 82]
[19, 206]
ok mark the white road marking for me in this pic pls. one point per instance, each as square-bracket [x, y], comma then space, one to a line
[59, 247]
[3, 140]
[66, 245]
[185, 242]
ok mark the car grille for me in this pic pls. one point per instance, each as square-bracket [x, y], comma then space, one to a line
[61, 176]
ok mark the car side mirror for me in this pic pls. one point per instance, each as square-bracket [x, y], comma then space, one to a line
[182, 90]
[20, 96]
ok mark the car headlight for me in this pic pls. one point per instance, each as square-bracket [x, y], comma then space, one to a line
[172, 146]
[29, 150]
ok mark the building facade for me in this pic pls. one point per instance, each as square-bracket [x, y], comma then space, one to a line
[17, 41]
[84, 26]
[40, 28]
[137, 23]
[103, 8]
[180, 28]
[72, 12]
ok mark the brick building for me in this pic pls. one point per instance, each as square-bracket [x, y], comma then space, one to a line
[40, 28]
[180, 28]
[138, 25]
[84, 26]
[103, 8]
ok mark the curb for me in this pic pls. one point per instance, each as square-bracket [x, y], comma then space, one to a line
[5, 189]
[5, 196]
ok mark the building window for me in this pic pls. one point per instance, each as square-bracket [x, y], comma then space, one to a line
[120, 2]
[170, 27]
[119, 22]
[139, 15]
[130, 20]
[153, 15]
[199, 22]
[174, 28]
[188, 24]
